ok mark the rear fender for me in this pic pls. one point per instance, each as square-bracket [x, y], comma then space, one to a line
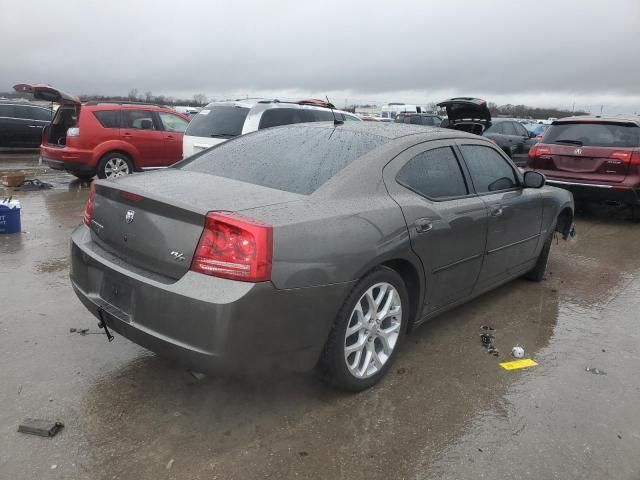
[115, 146]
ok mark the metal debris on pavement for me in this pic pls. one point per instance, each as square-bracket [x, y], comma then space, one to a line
[595, 371]
[44, 428]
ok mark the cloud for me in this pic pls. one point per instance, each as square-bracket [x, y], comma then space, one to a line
[569, 51]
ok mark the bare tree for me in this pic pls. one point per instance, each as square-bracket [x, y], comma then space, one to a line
[200, 99]
[133, 94]
[148, 96]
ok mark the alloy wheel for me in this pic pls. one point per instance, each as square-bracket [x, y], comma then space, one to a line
[116, 167]
[373, 330]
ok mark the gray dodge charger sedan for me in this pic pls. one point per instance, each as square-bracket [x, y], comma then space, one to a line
[310, 245]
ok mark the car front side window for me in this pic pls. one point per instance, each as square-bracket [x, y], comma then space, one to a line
[173, 123]
[489, 171]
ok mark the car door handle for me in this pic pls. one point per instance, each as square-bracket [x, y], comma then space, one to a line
[423, 225]
[201, 145]
[34, 126]
[125, 134]
[497, 211]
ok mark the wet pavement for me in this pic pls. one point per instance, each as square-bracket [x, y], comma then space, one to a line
[445, 411]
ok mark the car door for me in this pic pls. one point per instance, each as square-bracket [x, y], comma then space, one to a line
[142, 130]
[446, 220]
[8, 126]
[523, 133]
[515, 213]
[32, 121]
[173, 127]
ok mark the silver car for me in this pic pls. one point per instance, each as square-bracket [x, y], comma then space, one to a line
[310, 245]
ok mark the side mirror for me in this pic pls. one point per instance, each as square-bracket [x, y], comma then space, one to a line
[532, 135]
[533, 179]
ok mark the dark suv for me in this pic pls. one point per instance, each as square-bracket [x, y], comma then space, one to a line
[21, 124]
[597, 158]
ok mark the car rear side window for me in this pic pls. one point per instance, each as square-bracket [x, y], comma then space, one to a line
[138, 119]
[489, 171]
[108, 118]
[275, 117]
[434, 174]
[221, 121]
[509, 129]
[297, 160]
[6, 111]
[496, 128]
[614, 135]
[32, 113]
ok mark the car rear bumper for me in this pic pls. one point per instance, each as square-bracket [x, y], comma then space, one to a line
[206, 323]
[598, 191]
[69, 159]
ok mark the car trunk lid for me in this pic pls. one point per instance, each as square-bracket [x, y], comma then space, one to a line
[47, 93]
[66, 117]
[467, 113]
[589, 151]
[154, 221]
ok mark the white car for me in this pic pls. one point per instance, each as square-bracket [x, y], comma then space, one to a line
[221, 121]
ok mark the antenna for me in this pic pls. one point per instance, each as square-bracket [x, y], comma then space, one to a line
[336, 122]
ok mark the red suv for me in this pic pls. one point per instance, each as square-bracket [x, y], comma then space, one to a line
[596, 158]
[105, 138]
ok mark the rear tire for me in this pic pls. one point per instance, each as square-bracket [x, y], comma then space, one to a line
[114, 165]
[536, 274]
[376, 314]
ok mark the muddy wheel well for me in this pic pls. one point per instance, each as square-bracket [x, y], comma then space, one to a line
[565, 220]
[412, 281]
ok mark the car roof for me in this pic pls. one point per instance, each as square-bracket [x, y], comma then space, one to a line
[600, 118]
[391, 130]
[424, 114]
[253, 102]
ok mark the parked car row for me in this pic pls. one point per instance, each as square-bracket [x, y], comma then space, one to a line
[111, 139]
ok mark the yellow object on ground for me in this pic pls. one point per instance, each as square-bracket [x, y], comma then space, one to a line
[516, 364]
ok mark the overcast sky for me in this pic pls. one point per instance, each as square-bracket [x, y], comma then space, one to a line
[536, 52]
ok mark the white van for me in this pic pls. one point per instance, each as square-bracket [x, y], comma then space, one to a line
[390, 110]
[221, 121]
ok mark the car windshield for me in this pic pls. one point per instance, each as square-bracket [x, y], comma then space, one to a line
[218, 121]
[594, 134]
[297, 160]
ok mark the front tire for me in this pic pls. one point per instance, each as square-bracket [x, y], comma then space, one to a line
[114, 165]
[367, 333]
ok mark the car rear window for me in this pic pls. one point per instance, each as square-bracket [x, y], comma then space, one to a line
[594, 134]
[275, 117]
[297, 160]
[224, 121]
[108, 118]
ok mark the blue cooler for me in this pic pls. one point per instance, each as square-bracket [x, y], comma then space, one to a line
[10, 217]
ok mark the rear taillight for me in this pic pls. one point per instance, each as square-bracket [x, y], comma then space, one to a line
[635, 158]
[538, 150]
[88, 207]
[234, 247]
[73, 132]
[625, 156]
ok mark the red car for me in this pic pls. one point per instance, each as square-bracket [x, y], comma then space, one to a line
[105, 138]
[596, 158]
